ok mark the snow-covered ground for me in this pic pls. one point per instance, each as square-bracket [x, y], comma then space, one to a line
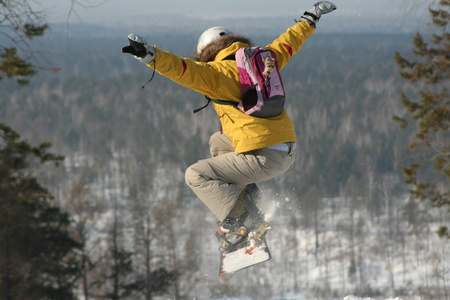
[348, 250]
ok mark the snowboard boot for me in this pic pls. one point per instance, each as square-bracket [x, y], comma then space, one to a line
[253, 192]
[244, 218]
[255, 217]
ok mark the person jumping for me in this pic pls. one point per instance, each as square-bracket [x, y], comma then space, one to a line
[247, 149]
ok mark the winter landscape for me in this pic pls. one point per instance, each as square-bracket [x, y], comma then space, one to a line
[343, 225]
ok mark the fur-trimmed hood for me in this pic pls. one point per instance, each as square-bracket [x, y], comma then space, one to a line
[212, 49]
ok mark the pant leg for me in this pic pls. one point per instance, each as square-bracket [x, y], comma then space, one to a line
[218, 181]
[220, 144]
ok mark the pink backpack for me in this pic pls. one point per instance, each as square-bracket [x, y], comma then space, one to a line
[262, 88]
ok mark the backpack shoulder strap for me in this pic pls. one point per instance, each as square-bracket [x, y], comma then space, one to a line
[222, 102]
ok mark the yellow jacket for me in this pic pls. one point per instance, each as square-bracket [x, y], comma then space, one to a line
[219, 79]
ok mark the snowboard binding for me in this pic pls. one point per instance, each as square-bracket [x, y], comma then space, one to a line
[231, 234]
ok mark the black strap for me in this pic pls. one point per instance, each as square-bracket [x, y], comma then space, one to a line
[311, 15]
[222, 102]
[200, 108]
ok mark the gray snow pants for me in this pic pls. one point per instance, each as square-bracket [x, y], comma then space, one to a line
[218, 181]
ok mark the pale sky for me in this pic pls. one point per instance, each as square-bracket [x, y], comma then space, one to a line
[109, 12]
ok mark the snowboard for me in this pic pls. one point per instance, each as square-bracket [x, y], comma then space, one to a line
[251, 252]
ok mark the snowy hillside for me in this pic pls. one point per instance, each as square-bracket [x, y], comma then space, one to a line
[340, 248]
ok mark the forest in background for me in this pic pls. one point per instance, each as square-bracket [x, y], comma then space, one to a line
[341, 100]
[126, 150]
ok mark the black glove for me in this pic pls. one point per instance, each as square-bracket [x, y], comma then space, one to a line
[138, 47]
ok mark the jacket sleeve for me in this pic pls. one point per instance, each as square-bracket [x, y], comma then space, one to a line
[290, 42]
[217, 80]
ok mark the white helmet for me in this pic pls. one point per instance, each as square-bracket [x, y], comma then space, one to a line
[210, 35]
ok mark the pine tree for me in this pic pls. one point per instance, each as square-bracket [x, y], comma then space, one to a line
[38, 257]
[19, 24]
[430, 72]
[19, 20]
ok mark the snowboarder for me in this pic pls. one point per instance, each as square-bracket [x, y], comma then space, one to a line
[247, 149]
